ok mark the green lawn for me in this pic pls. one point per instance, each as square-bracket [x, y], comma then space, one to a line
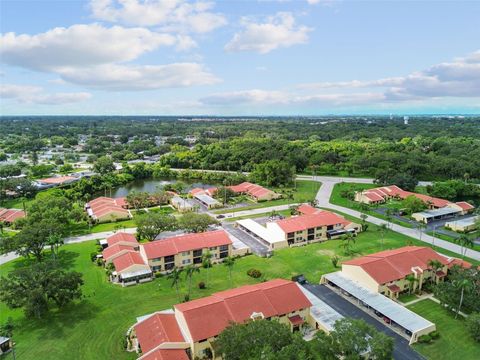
[337, 199]
[93, 327]
[305, 192]
[405, 298]
[454, 341]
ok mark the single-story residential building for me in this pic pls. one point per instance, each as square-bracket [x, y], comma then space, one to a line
[254, 191]
[463, 225]
[181, 204]
[117, 250]
[8, 216]
[56, 181]
[199, 191]
[318, 226]
[105, 209]
[208, 201]
[123, 238]
[180, 251]
[190, 330]
[272, 239]
[386, 272]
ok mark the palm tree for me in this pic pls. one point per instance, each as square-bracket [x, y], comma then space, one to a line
[175, 277]
[229, 262]
[207, 263]
[383, 229]
[462, 285]
[464, 241]
[435, 265]
[388, 214]
[411, 282]
[347, 241]
[109, 268]
[189, 271]
[420, 227]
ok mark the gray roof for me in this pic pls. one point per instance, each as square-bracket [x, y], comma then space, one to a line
[396, 312]
[320, 311]
[465, 221]
[131, 274]
[207, 199]
[439, 212]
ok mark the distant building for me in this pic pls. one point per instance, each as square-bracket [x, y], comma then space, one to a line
[8, 216]
[56, 181]
[256, 192]
[104, 209]
[181, 204]
[463, 225]
[405, 120]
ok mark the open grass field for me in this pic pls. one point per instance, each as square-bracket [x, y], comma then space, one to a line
[305, 192]
[454, 341]
[93, 327]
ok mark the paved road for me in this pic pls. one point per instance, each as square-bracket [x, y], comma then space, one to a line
[255, 245]
[402, 350]
[257, 211]
[323, 199]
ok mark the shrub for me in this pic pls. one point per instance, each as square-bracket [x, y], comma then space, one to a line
[99, 248]
[473, 326]
[158, 274]
[201, 285]
[425, 339]
[93, 256]
[434, 335]
[99, 262]
[254, 273]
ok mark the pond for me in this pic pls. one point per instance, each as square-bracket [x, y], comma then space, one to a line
[151, 185]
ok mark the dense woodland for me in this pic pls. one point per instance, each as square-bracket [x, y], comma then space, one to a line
[427, 148]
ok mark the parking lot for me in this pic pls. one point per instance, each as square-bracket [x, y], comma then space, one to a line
[254, 244]
[402, 350]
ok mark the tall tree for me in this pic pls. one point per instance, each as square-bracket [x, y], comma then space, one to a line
[174, 276]
[189, 271]
[207, 263]
[150, 225]
[193, 222]
[229, 263]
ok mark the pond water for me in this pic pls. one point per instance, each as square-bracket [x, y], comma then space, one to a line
[151, 185]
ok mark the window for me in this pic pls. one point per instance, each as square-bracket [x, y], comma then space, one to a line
[185, 253]
[186, 261]
[169, 266]
[156, 268]
[157, 259]
[170, 258]
[223, 255]
[224, 248]
[213, 248]
[197, 253]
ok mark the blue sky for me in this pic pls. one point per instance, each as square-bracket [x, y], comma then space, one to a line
[298, 57]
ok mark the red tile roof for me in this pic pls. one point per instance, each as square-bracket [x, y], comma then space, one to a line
[303, 222]
[306, 209]
[166, 354]
[188, 242]
[465, 205]
[114, 250]
[391, 265]
[57, 180]
[209, 316]
[126, 260]
[296, 320]
[105, 205]
[381, 193]
[10, 215]
[199, 191]
[122, 237]
[253, 190]
[157, 329]
[459, 262]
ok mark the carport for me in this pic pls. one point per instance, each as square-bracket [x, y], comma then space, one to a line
[392, 312]
[267, 237]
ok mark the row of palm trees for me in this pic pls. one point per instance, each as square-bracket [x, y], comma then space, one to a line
[175, 276]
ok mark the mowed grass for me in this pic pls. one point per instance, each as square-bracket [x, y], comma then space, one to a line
[454, 342]
[305, 192]
[93, 328]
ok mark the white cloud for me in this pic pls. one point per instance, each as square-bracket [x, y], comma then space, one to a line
[170, 15]
[277, 31]
[79, 46]
[265, 97]
[36, 95]
[140, 77]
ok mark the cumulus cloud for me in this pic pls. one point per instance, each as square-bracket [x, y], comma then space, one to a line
[100, 57]
[79, 46]
[144, 77]
[36, 95]
[278, 31]
[170, 15]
